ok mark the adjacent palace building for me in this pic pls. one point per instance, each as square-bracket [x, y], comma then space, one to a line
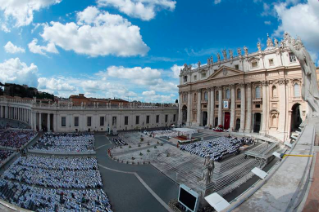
[252, 92]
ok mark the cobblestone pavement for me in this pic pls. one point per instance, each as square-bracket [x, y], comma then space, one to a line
[125, 191]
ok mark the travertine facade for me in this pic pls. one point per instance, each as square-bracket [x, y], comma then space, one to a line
[69, 118]
[258, 92]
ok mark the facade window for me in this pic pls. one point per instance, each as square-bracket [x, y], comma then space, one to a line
[184, 97]
[206, 96]
[157, 118]
[126, 120]
[292, 57]
[195, 97]
[147, 119]
[274, 91]
[185, 79]
[76, 121]
[257, 92]
[195, 77]
[238, 106]
[296, 90]
[271, 62]
[114, 120]
[258, 106]
[217, 106]
[238, 94]
[63, 121]
[274, 120]
[254, 64]
[137, 120]
[217, 95]
[237, 67]
[166, 118]
[89, 121]
[227, 93]
[174, 118]
[203, 75]
[101, 121]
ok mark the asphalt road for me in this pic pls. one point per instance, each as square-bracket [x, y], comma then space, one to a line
[125, 191]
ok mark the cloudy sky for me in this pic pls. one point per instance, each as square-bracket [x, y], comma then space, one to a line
[135, 48]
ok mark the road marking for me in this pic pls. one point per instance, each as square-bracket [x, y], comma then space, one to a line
[144, 184]
[101, 146]
[299, 156]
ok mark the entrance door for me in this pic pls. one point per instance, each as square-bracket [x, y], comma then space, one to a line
[257, 122]
[226, 120]
[204, 118]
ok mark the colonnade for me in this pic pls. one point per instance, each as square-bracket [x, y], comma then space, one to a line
[16, 113]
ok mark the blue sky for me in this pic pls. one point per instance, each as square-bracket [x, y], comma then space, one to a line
[135, 48]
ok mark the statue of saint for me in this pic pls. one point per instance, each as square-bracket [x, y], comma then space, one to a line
[231, 54]
[211, 60]
[225, 54]
[246, 51]
[218, 57]
[239, 51]
[276, 43]
[208, 62]
[208, 171]
[310, 91]
[259, 46]
[198, 64]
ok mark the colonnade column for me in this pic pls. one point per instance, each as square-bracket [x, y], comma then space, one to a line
[189, 108]
[1, 111]
[180, 105]
[40, 122]
[242, 108]
[6, 112]
[249, 111]
[232, 107]
[212, 107]
[48, 122]
[265, 113]
[220, 105]
[199, 98]
[208, 106]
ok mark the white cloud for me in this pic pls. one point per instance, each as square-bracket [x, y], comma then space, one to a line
[176, 70]
[21, 11]
[164, 86]
[148, 93]
[11, 48]
[97, 33]
[151, 96]
[138, 75]
[15, 71]
[217, 1]
[267, 22]
[57, 86]
[301, 20]
[34, 48]
[143, 9]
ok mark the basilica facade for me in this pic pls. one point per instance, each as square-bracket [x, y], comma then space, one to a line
[256, 92]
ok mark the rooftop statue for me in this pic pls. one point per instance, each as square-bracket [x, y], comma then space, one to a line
[198, 64]
[269, 42]
[231, 54]
[239, 51]
[246, 51]
[310, 91]
[218, 56]
[225, 54]
[259, 47]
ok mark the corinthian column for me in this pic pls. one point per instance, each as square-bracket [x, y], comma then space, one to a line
[180, 118]
[265, 113]
[199, 98]
[232, 108]
[212, 106]
[242, 108]
[189, 103]
[208, 106]
[220, 105]
[248, 112]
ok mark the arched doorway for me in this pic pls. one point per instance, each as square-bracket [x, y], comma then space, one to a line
[295, 117]
[204, 118]
[226, 120]
[184, 114]
[257, 122]
[237, 124]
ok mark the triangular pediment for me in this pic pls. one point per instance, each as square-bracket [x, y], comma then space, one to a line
[225, 71]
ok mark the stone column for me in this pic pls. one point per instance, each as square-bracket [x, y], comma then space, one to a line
[40, 122]
[232, 108]
[6, 112]
[249, 111]
[54, 127]
[220, 105]
[0, 111]
[282, 106]
[180, 105]
[208, 106]
[48, 122]
[212, 107]
[199, 99]
[242, 108]
[264, 117]
[189, 102]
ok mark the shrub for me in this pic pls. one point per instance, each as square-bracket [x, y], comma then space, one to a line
[148, 150]
[141, 153]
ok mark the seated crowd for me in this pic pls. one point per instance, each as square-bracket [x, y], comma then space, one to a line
[15, 138]
[65, 142]
[4, 154]
[44, 199]
[119, 141]
[67, 176]
[216, 148]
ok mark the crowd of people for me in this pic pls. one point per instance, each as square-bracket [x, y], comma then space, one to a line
[65, 142]
[44, 199]
[216, 148]
[161, 133]
[69, 176]
[119, 141]
[4, 154]
[15, 138]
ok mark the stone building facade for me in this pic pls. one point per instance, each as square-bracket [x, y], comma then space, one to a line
[252, 92]
[69, 118]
